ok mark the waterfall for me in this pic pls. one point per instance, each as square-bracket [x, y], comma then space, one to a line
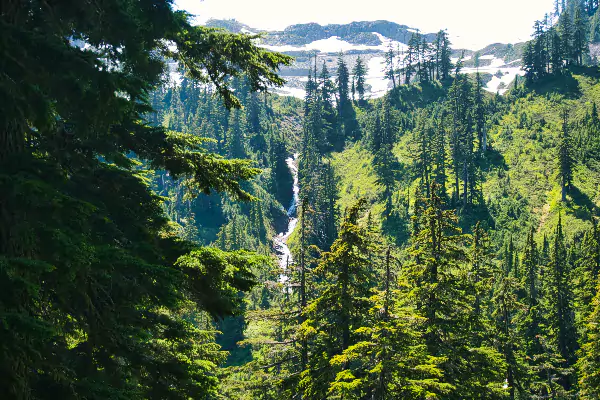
[280, 241]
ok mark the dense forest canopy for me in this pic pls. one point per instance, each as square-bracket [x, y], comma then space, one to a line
[100, 297]
[170, 229]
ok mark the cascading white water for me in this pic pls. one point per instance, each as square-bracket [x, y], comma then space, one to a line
[280, 241]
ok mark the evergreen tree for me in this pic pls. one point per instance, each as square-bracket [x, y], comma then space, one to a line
[385, 164]
[588, 271]
[236, 135]
[439, 157]
[445, 298]
[413, 58]
[390, 66]
[529, 62]
[391, 360]
[343, 80]
[531, 270]
[316, 125]
[482, 272]
[423, 151]
[565, 159]
[390, 122]
[479, 114]
[375, 134]
[506, 305]
[565, 27]
[594, 27]
[303, 284]
[332, 132]
[424, 67]
[254, 125]
[530, 320]
[360, 72]
[324, 205]
[540, 49]
[110, 306]
[333, 319]
[561, 315]
[580, 36]
[459, 105]
[509, 257]
[311, 94]
[310, 158]
[443, 55]
[556, 55]
[346, 113]
[589, 363]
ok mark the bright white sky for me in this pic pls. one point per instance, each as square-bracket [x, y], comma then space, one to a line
[472, 24]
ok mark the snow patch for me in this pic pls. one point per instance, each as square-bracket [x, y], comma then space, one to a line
[387, 42]
[334, 44]
[289, 91]
[497, 63]
[506, 79]
[498, 85]
[376, 77]
[377, 84]
[454, 60]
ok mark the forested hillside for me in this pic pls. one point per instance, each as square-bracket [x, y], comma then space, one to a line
[457, 255]
[171, 229]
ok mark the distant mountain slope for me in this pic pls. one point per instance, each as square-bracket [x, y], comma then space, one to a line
[361, 32]
[231, 25]
[367, 33]
[509, 53]
[499, 63]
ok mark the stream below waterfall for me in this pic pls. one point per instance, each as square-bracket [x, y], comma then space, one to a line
[280, 241]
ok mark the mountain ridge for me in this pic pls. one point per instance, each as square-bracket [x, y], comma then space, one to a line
[356, 32]
[499, 63]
